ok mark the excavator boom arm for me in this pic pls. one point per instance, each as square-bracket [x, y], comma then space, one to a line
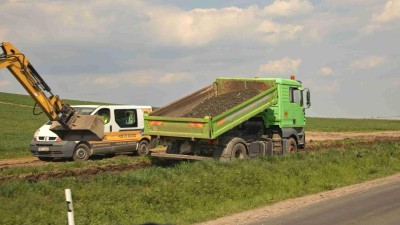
[54, 107]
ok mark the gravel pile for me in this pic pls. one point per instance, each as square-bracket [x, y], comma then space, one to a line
[221, 103]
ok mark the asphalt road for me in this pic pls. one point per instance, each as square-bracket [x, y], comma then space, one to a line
[379, 205]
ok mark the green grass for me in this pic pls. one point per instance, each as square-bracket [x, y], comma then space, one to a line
[351, 125]
[18, 124]
[193, 192]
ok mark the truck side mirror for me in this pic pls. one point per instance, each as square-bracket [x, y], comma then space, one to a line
[308, 97]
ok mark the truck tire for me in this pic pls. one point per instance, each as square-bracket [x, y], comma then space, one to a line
[173, 148]
[81, 153]
[143, 148]
[291, 146]
[234, 150]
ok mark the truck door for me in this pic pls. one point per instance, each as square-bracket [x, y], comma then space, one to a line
[297, 102]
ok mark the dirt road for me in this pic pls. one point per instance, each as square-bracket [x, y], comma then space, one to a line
[331, 136]
[310, 138]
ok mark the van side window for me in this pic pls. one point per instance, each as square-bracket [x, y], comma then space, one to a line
[126, 117]
[296, 96]
[105, 114]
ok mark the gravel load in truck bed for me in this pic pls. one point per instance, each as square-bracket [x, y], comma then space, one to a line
[221, 103]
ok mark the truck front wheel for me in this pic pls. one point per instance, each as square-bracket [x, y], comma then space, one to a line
[143, 148]
[81, 153]
[291, 145]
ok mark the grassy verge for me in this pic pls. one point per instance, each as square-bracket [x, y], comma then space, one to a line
[192, 192]
[351, 125]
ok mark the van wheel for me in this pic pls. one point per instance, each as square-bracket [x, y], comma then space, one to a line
[143, 148]
[291, 146]
[81, 153]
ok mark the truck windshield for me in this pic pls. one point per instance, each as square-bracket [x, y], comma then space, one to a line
[84, 110]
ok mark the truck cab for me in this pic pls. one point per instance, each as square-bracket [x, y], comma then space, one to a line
[123, 125]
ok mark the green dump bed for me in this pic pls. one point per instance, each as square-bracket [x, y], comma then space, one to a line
[178, 119]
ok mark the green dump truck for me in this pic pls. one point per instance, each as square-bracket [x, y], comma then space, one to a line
[233, 118]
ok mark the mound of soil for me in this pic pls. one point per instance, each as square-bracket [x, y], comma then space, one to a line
[221, 103]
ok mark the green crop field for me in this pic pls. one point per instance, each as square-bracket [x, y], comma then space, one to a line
[18, 124]
[351, 125]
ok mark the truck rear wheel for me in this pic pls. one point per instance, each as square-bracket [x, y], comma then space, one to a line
[291, 146]
[143, 148]
[239, 151]
[81, 153]
[234, 150]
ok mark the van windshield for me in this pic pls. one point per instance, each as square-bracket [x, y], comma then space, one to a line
[84, 110]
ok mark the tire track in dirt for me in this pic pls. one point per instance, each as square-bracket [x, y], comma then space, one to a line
[29, 161]
[10, 103]
[83, 172]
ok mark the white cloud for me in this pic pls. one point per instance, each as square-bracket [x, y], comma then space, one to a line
[86, 21]
[284, 66]
[55, 20]
[387, 19]
[141, 78]
[288, 7]
[4, 82]
[275, 33]
[390, 12]
[326, 71]
[169, 78]
[202, 26]
[368, 62]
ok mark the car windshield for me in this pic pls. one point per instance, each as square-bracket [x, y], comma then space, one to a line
[84, 110]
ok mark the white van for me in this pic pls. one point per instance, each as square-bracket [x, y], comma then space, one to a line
[123, 127]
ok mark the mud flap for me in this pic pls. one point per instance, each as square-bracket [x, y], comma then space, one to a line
[84, 128]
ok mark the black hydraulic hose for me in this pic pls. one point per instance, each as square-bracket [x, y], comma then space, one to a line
[34, 109]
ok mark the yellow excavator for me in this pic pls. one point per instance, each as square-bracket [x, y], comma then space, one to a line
[68, 125]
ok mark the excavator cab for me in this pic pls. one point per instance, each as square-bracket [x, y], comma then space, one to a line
[68, 125]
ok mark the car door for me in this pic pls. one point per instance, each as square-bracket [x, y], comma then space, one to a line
[126, 120]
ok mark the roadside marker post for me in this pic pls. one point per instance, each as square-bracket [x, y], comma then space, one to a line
[70, 209]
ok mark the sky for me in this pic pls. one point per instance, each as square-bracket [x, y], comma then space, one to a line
[153, 52]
